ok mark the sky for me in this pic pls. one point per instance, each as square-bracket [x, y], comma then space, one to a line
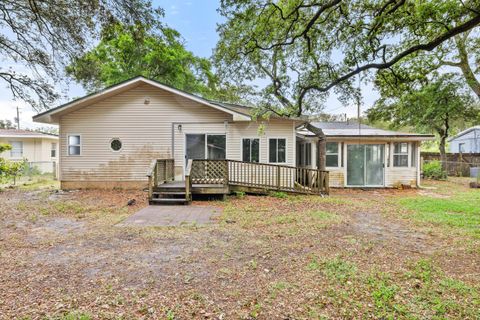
[196, 20]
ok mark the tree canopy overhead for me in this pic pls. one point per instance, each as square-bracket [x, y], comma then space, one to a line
[43, 36]
[126, 51]
[434, 105]
[304, 48]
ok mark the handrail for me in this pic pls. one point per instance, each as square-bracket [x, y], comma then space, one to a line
[150, 173]
[188, 180]
[260, 175]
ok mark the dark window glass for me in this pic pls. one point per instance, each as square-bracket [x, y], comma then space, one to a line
[116, 144]
[255, 150]
[216, 147]
[281, 150]
[246, 150]
[272, 147]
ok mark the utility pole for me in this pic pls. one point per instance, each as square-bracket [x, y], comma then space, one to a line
[17, 119]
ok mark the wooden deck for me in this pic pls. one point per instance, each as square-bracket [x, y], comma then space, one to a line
[224, 176]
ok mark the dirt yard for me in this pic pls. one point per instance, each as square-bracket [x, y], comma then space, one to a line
[411, 254]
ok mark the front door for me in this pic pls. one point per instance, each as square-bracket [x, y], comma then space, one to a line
[365, 165]
[205, 146]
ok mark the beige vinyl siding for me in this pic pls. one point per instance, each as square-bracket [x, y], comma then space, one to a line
[150, 131]
[145, 131]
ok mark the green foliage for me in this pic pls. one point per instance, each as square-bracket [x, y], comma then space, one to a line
[304, 49]
[10, 170]
[43, 36]
[240, 194]
[279, 194]
[5, 147]
[433, 170]
[6, 124]
[126, 51]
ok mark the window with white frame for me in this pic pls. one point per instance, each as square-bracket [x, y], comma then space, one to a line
[461, 147]
[277, 149]
[53, 150]
[400, 154]
[331, 157]
[251, 150]
[17, 149]
[74, 145]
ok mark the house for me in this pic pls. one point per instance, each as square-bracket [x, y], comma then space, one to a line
[39, 149]
[363, 156]
[467, 141]
[108, 139]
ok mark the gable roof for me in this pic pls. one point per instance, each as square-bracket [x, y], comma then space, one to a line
[351, 130]
[50, 116]
[16, 133]
[464, 132]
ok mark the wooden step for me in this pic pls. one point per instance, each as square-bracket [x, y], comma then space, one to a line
[169, 193]
[169, 201]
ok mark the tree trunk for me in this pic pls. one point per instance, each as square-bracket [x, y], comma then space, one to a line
[443, 153]
[321, 145]
[464, 65]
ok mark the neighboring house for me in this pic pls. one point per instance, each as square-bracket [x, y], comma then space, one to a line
[467, 141]
[40, 149]
[109, 139]
[362, 156]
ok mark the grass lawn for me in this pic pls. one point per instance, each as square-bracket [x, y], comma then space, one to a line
[389, 254]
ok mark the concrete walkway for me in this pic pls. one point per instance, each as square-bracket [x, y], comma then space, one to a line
[166, 216]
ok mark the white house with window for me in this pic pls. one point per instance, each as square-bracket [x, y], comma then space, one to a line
[109, 139]
[39, 149]
[467, 141]
[362, 156]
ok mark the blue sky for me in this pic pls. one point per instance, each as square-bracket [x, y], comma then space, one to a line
[196, 20]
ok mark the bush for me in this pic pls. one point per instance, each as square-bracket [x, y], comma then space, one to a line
[433, 170]
[10, 170]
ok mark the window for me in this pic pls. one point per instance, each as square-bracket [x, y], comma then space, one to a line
[308, 153]
[74, 145]
[17, 149]
[461, 147]
[413, 161]
[251, 150]
[53, 150]
[116, 144]
[332, 154]
[216, 147]
[277, 150]
[400, 154]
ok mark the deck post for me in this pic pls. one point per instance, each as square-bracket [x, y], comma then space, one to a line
[278, 177]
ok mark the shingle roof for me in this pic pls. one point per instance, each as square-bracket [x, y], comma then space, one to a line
[351, 129]
[8, 133]
[464, 132]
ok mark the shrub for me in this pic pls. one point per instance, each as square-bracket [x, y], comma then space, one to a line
[279, 194]
[10, 170]
[433, 170]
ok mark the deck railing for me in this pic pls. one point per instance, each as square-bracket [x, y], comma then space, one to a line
[260, 175]
[161, 171]
[239, 173]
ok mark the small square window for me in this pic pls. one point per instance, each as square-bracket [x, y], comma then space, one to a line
[74, 145]
[400, 154]
[331, 157]
[17, 149]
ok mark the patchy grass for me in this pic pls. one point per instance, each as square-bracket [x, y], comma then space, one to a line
[460, 211]
[353, 255]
